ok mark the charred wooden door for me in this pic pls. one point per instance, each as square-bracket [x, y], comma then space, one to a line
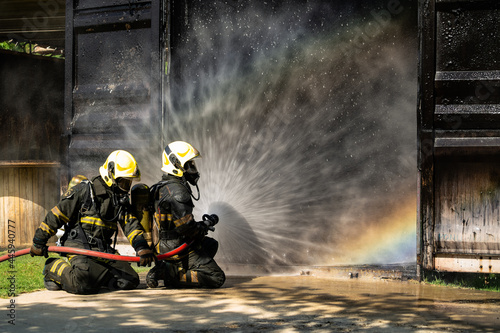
[115, 73]
[459, 136]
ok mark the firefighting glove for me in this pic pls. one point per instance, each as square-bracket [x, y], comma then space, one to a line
[201, 230]
[39, 250]
[147, 257]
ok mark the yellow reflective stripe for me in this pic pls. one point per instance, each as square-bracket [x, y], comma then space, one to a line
[128, 217]
[61, 270]
[59, 214]
[162, 217]
[56, 264]
[53, 268]
[45, 227]
[194, 276]
[134, 234]
[98, 222]
[169, 217]
[183, 220]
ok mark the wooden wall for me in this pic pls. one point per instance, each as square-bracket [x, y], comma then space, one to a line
[32, 144]
[458, 137]
[467, 205]
[28, 190]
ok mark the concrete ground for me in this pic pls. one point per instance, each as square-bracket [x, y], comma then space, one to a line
[309, 301]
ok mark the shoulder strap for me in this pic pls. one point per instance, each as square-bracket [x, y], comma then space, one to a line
[89, 200]
[156, 187]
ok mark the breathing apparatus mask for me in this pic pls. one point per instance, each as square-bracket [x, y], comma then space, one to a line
[191, 173]
[123, 184]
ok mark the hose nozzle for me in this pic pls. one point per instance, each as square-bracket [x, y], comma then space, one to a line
[210, 220]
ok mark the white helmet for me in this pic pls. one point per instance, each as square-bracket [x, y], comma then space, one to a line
[120, 168]
[176, 155]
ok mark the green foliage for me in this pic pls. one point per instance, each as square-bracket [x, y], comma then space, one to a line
[16, 47]
[25, 47]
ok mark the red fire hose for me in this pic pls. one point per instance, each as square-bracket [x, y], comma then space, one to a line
[90, 253]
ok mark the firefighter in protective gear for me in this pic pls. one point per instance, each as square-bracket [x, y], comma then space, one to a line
[174, 214]
[89, 212]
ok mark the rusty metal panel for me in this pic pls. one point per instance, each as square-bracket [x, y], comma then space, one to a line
[114, 77]
[459, 134]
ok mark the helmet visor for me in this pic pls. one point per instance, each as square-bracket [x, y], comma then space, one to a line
[124, 184]
[190, 167]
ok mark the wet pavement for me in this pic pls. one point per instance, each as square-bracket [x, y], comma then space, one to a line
[299, 303]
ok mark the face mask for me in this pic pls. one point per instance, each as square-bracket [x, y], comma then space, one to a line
[191, 172]
[124, 184]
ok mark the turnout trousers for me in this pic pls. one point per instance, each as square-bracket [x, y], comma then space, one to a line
[197, 269]
[86, 275]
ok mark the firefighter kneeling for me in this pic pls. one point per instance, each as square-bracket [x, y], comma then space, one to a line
[89, 212]
[173, 206]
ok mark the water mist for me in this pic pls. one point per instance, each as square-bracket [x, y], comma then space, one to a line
[307, 134]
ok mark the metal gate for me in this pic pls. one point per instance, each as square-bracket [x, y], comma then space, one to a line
[116, 60]
[459, 136]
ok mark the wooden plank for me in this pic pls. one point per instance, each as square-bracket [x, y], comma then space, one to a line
[13, 194]
[425, 221]
[26, 195]
[22, 206]
[467, 210]
[467, 142]
[3, 209]
[31, 163]
[43, 208]
[467, 264]
[30, 204]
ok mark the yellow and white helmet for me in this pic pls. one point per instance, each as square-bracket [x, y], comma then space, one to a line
[175, 156]
[120, 168]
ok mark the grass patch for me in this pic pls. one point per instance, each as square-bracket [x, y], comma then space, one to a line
[24, 276]
[27, 273]
[488, 282]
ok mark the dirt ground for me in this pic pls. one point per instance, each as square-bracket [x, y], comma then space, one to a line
[296, 303]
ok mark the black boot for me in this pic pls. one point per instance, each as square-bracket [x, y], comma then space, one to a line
[155, 274]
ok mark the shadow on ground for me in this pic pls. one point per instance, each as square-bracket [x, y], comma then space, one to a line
[264, 304]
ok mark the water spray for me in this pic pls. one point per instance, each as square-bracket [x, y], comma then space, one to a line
[307, 138]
